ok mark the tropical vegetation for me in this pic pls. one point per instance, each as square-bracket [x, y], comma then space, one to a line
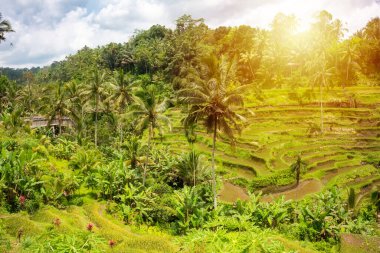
[196, 139]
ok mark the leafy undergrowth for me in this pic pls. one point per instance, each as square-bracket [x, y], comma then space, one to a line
[256, 240]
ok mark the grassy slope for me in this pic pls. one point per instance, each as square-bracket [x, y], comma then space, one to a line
[75, 219]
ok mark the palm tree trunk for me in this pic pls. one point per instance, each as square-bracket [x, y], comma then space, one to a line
[121, 134]
[194, 172]
[30, 102]
[250, 68]
[194, 165]
[147, 154]
[298, 175]
[320, 98]
[59, 124]
[194, 178]
[96, 121]
[213, 163]
[347, 70]
[83, 132]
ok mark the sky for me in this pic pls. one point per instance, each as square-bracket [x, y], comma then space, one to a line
[49, 30]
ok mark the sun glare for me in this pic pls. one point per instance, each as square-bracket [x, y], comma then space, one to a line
[304, 11]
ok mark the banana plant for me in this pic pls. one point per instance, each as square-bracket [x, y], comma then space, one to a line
[189, 208]
[136, 202]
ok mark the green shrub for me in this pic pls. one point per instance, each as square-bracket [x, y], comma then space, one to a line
[63, 149]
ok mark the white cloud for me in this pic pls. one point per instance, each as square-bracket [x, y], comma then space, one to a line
[43, 44]
[48, 30]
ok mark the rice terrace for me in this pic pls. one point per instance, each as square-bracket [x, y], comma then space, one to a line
[240, 126]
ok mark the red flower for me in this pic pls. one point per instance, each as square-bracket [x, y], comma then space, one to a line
[22, 199]
[57, 222]
[90, 226]
[111, 243]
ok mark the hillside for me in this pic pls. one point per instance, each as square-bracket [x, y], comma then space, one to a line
[188, 138]
[271, 138]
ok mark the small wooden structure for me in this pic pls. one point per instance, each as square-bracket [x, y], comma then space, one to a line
[41, 121]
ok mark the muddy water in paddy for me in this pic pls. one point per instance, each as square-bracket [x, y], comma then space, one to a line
[231, 193]
[335, 172]
[304, 188]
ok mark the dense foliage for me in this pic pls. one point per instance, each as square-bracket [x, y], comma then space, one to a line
[117, 100]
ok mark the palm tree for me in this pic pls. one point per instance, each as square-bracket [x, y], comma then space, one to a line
[148, 110]
[190, 134]
[26, 94]
[12, 120]
[76, 105]
[322, 76]
[93, 91]
[212, 102]
[133, 150]
[349, 56]
[122, 86]
[297, 167]
[190, 167]
[56, 106]
[5, 27]
[8, 94]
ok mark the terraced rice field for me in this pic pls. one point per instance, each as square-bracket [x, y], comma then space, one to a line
[274, 134]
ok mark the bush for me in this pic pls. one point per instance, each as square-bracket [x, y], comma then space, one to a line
[63, 149]
[193, 207]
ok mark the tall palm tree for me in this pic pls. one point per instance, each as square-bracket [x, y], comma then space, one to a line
[133, 149]
[27, 95]
[94, 90]
[12, 120]
[122, 86]
[5, 27]
[322, 76]
[148, 109]
[212, 102]
[8, 94]
[77, 107]
[349, 55]
[56, 106]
